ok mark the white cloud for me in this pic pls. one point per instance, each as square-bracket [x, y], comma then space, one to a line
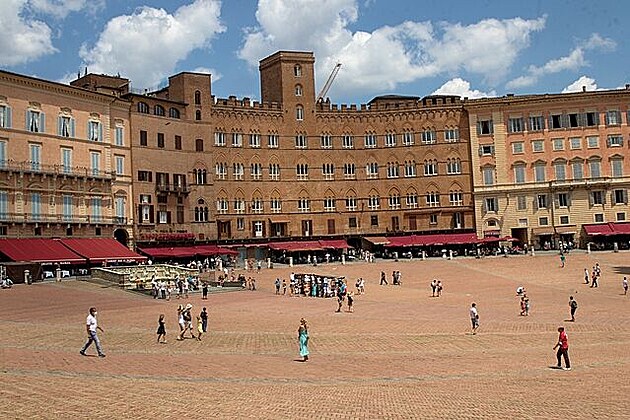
[62, 8]
[580, 84]
[462, 88]
[147, 45]
[387, 56]
[573, 62]
[22, 39]
[206, 70]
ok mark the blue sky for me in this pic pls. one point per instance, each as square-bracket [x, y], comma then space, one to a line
[414, 47]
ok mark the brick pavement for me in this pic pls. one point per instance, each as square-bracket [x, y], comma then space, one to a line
[402, 354]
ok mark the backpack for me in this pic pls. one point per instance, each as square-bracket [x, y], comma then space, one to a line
[573, 304]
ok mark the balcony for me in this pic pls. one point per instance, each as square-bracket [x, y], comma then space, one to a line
[30, 167]
[170, 188]
[61, 219]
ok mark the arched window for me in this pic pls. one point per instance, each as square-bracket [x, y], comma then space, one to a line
[158, 110]
[173, 113]
[298, 90]
[199, 145]
[198, 115]
[197, 97]
[299, 113]
[297, 70]
[143, 108]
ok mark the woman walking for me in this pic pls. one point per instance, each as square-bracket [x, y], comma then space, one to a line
[303, 339]
[161, 331]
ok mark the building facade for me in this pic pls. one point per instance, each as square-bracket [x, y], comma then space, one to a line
[547, 165]
[65, 161]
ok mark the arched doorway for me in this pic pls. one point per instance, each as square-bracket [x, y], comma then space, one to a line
[121, 236]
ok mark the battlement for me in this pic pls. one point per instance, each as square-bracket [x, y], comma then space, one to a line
[394, 103]
[245, 103]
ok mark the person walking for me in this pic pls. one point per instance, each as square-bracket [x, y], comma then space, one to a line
[563, 349]
[563, 259]
[350, 302]
[573, 305]
[586, 276]
[161, 331]
[439, 288]
[91, 326]
[199, 324]
[204, 320]
[624, 283]
[474, 318]
[303, 339]
[278, 283]
[383, 278]
[204, 290]
[433, 287]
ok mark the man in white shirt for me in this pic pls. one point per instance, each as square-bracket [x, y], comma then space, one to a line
[91, 326]
[474, 317]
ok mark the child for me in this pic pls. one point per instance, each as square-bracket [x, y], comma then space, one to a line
[350, 302]
[199, 328]
[161, 331]
[439, 288]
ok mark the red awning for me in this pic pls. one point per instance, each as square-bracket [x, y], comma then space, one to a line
[98, 250]
[401, 241]
[296, 246]
[598, 230]
[621, 228]
[175, 252]
[39, 250]
[334, 243]
[208, 250]
[377, 240]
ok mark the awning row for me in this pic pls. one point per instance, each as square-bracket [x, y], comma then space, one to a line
[320, 245]
[187, 251]
[67, 251]
[435, 240]
[607, 229]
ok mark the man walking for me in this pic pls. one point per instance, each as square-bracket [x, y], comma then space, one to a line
[383, 278]
[91, 327]
[563, 349]
[573, 305]
[624, 283]
[474, 317]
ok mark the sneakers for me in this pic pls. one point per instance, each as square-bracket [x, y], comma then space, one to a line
[566, 368]
[81, 352]
[101, 355]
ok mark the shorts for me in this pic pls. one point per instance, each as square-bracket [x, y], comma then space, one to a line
[475, 322]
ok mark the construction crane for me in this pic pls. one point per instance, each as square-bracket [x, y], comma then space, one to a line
[329, 82]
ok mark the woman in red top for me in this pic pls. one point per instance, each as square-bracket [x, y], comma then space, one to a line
[563, 349]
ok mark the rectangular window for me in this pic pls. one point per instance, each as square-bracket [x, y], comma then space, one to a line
[488, 176]
[538, 146]
[352, 222]
[326, 141]
[576, 143]
[67, 207]
[274, 171]
[120, 165]
[347, 141]
[486, 150]
[394, 201]
[616, 167]
[329, 204]
[237, 140]
[95, 131]
[97, 206]
[119, 138]
[66, 160]
[578, 170]
[621, 196]
[143, 138]
[254, 140]
[371, 170]
[536, 123]
[563, 199]
[240, 224]
[592, 142]
[145, 176]
[410, 169]
[300, 141]
[515, 125]
[433, 219]
[35, 121]
[4, 204]
[539, 173]
[65, 126]
[595, 167]
[178, 142]
[521, 202]
[615, 141]
[433, 199]
[429, 137]
[199, 145]
[239, 206]
[456, 198]
[575, 120]
[374, 202]
[273, 141]
[519, 174]
[35, 156]
[160, 140]
[485, 127]
[370, 141]
[351, 203]
[5, 116]
[613, 117]
[543, 221]
[556, 121]
[36, 206]
[597, 198]
[276, 205]
[598, 217]
[591, 119]
[95, 161]
[558, 144]
[541, 201]
[373, 221]
[561, 171]
[621, 216]
[518, 148]
[328, 171]
[3, 154]
[349, 171]
[408, 138]
[219, 138]
[491, 204]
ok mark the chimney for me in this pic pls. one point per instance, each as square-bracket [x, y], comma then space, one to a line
[627, 86]
[583, 88]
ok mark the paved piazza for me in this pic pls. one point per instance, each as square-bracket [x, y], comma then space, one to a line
[401, 354]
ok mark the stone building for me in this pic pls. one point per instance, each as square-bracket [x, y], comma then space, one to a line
[65, 161]
[545, 166]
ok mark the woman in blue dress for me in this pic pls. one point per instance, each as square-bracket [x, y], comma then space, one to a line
[303, 339]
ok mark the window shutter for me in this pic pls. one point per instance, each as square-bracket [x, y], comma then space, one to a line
[564, 121]
[139, 213]
[59, 125]
[603, 197]
[28, 121]
[625, 196]
[550, 122]
[87, 128]
[491, 127]
[608, 141]
[591, 200]
[478, 128]
[72, 127]
[42, 122]
[556, 201]
[151, 213]
[480, 150]
[568, 200]
[100, 132]
[535, 203]
[168, 217]
[581, 120]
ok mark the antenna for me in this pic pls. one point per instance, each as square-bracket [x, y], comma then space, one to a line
[329, 82]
